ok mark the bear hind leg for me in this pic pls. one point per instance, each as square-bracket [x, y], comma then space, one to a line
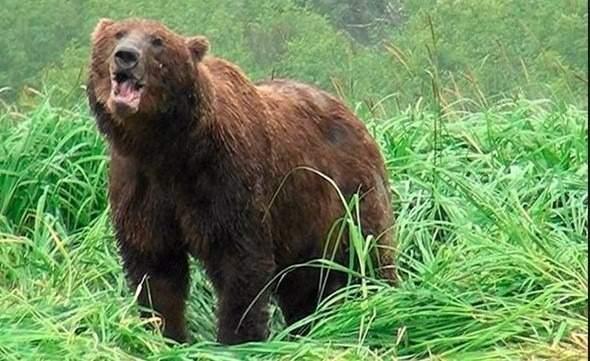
[302, 289]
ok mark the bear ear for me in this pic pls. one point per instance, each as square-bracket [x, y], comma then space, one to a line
[198, 46]
[102, 25]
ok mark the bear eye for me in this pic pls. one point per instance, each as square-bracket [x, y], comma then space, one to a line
[157, 42]
[120, 34]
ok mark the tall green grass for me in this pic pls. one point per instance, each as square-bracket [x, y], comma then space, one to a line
[492, 226]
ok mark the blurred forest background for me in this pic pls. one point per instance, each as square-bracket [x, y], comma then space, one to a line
[462, 52]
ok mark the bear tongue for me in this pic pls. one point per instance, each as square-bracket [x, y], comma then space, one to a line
[125, 96]
[126, 90]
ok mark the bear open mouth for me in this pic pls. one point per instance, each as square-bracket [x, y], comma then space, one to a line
[126, 91]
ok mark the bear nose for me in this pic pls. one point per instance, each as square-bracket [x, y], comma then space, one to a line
[126, 58]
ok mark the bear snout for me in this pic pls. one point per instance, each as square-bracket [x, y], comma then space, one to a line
[126, 57]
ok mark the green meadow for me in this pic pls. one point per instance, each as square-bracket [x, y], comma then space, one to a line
[487, 156]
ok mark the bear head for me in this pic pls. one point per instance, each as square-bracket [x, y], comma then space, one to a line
[140, 69]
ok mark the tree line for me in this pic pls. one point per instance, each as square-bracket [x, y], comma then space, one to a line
[444, 51]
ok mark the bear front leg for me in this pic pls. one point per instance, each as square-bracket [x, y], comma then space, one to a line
[164, 289]
[242, 305]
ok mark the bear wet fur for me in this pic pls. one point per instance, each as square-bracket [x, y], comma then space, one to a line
[204, 162]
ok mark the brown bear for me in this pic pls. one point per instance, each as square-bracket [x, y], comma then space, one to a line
[204, 162]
